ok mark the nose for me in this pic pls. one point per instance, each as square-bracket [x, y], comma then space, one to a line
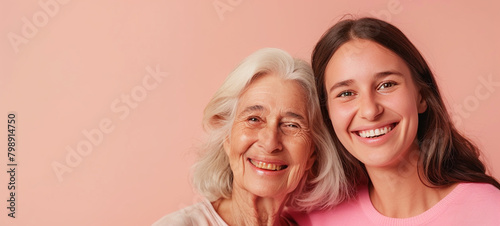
[369, 108]
[270, 138]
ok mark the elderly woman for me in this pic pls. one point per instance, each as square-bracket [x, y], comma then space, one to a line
[267, 148]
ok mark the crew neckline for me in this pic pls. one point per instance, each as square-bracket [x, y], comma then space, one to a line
[433, 212]
[214, 213]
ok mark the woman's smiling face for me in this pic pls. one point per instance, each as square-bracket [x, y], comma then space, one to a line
[373, 103]
[270, 146]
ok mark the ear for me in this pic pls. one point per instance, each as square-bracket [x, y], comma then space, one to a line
[216, 121]
[422, 104]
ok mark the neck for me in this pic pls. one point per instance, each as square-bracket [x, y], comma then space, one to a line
[399, 192]
[244, 208]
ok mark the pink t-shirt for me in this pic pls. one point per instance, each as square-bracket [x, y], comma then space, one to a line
[467, 204]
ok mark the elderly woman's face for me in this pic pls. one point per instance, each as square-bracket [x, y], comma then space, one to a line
[270, 146]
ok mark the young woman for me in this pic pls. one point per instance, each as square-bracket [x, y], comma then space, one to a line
[407, 163]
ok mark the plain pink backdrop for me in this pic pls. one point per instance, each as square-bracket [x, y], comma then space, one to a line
[69, 68]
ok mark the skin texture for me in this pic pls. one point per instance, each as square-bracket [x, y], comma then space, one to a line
[270, 126]
[369, 87]
[373, 88]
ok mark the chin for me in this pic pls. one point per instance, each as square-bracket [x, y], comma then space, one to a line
[267, 191]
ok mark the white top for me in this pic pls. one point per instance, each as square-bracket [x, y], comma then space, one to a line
[199, 214]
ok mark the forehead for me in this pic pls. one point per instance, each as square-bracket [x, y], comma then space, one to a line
[273, 92]
[362, 57]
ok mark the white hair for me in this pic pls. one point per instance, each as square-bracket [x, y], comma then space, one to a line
[323, 186]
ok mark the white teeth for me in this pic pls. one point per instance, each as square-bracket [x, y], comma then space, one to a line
[374, 133]
[268, 166]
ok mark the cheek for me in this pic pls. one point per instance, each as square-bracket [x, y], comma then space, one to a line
[403, 105]
[236, 148]
[300, 148]
[302, 153]
[340, 115]
[241, 140]
[305, 160]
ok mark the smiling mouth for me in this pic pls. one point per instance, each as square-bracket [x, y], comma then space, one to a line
[267, 166]
[373, 133]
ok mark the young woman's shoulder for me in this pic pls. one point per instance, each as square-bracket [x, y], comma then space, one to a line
[472, 204]
[481, 194]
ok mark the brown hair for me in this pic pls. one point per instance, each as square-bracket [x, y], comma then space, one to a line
[446, 156]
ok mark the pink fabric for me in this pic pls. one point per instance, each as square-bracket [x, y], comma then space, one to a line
[467, 204]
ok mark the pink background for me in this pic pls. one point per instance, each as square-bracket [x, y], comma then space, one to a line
[71, 62]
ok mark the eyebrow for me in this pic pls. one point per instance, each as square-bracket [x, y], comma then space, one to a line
[378, 75]
[254, 108]
[294, 115]
[341, 84]
[387, 73]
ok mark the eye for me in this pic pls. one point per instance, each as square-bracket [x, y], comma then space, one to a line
[253, 119]
[292, 125]
[345, 94]
[290, 128]
[386, 85]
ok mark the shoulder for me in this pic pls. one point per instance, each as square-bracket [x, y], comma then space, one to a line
[471, 204]
[342, 214]
[201, 213]
[479, 193]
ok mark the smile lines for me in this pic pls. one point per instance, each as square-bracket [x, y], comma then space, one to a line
[267, 166]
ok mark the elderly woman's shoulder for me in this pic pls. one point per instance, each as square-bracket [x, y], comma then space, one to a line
[201, 213]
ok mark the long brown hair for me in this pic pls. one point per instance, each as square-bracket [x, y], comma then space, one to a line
[446, 156]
